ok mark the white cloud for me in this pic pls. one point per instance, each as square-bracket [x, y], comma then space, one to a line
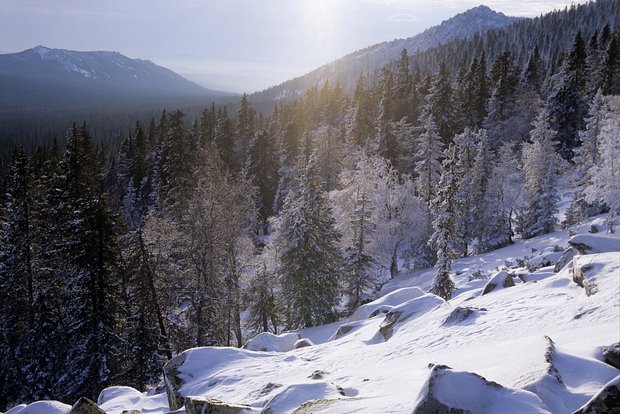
[402, 17]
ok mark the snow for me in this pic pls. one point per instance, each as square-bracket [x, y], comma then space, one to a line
[266, 341]
[505, 343]
[596, 244]
[41, 407]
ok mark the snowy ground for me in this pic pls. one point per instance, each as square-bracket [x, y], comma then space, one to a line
[504, 340]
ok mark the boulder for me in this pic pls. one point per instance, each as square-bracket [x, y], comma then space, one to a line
[131, 412]
[303, 343]
[344, 329]
[612, 355]
[606, 401]
[593, 228]
[385, 303]
[411, 309]
[268, 342]
[41, 407]
[459, 392]
[173, 382]
[546, 257]
[582, 265]
[499, 280]
[589, 243]
[86, 406]
[197, 405]
[460, 314]
[565, 259]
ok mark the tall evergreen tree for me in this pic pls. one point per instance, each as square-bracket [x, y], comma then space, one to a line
[310, 262]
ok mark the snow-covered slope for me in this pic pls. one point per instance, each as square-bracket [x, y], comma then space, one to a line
[532, 347]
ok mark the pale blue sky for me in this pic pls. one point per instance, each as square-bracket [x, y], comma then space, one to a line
[235, 45]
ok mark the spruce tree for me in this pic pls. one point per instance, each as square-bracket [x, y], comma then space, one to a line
[310, 269]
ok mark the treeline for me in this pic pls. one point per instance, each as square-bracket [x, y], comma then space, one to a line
[114, 259]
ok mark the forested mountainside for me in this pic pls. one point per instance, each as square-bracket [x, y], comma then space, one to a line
[347, 69]
[481, 29]
[114, 259]
[42, 90]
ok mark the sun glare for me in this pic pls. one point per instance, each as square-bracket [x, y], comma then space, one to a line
[320, 18]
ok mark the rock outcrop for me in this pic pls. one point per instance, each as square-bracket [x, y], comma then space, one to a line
[196, 405]
[612, 355]
[500, 280]
[459, 392]
[86, 406]
[606, 401]
[173, 382]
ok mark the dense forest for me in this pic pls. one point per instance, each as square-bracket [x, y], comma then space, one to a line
[115, 257]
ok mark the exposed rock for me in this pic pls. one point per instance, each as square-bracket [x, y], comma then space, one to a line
[593, 228]
[196, 405]
[413, 308]
[606, 401]
[131, 412]
[546, 257]
[303, 343]
[500, 280]
[388, 323]
[385, 303]
[86, 406]
[581, 266]
[452, 392]
[565, 259]
[174, 382]
[460, 314]
[588, 243]
[318, 374]
[266, 390]
[612, 355]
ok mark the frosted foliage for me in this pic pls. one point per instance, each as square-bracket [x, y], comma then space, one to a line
[396, 217]
[541, 164]
[605, 175]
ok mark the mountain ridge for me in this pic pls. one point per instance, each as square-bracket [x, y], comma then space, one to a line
[43, 76]
[346, 69]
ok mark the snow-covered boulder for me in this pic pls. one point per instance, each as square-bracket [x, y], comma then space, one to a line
[499, 280]
[86, 406]
[303, 343]
[112, 393]
[460, 314]
[589, 269]
[413, 308]
[197, 405]
[543, 258]
[607, 400]
[41, 407]
[174, 382]
[291, 397]
[589, 243]
[448, 391]
[561, 379]
[385, 303]
[268, 342]
[565, 259]
[612, 355]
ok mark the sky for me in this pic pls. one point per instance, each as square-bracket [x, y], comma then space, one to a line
[233, 45]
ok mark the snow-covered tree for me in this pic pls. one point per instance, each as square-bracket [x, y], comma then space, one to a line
[427, 160]
[310, 262]
[541, 165]
[445, 237]
[605, 174]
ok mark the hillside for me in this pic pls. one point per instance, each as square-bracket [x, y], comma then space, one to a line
[41, 77]
[542, 339]
[347, 69]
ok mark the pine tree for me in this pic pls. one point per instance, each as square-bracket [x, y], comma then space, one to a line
[428, 165]
[440, 104]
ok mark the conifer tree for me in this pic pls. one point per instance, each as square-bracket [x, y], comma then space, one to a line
[541, 165]
[310, 267]
[445, 240]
